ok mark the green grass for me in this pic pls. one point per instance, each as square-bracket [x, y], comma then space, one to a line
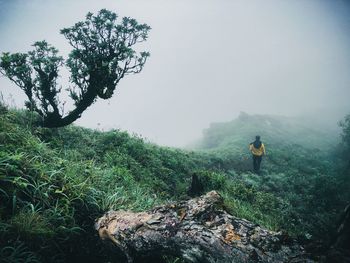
[54, 183]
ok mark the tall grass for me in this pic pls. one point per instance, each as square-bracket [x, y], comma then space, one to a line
[54, 183]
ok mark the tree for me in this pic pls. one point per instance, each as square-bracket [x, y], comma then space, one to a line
[345, 126]
[102, 55]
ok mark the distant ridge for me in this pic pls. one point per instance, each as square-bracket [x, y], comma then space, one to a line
[273, 129]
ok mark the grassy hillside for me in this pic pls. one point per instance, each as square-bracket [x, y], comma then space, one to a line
[55, 183]
[301, 169]
[292, 144]
[273, 129]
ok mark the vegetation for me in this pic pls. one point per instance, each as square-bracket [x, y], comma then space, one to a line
[345, 124]
[303, 170]
[55, 182]
[102, 55]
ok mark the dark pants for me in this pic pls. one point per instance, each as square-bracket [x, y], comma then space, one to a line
[256, 163]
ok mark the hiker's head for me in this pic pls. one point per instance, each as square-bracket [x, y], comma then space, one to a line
[257, 137]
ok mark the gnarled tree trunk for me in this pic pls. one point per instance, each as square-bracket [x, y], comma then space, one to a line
[197, 230]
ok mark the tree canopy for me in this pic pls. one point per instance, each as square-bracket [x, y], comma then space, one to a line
[103, 53]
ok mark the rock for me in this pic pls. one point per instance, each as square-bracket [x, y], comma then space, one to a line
[198, 231]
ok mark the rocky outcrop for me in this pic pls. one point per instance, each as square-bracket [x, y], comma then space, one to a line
[197, 230]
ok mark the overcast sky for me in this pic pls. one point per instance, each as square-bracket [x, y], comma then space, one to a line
[210, 59]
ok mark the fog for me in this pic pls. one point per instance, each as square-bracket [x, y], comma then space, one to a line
[210, 59]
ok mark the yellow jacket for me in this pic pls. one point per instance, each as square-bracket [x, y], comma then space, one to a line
[257, 152]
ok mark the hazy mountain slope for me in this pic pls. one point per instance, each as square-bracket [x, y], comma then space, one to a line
[300, 167]
[287, 141]
[272, 129]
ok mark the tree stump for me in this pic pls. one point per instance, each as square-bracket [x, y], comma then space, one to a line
[197, 230]
[196, 187]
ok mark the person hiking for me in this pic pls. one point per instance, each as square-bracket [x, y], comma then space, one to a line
[257, 148]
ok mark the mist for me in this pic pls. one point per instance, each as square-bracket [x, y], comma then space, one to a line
[209, 61]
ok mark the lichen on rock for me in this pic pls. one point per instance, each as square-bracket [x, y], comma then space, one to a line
[198, 230]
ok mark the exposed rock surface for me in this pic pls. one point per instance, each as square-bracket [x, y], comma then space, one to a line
[197, 230]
